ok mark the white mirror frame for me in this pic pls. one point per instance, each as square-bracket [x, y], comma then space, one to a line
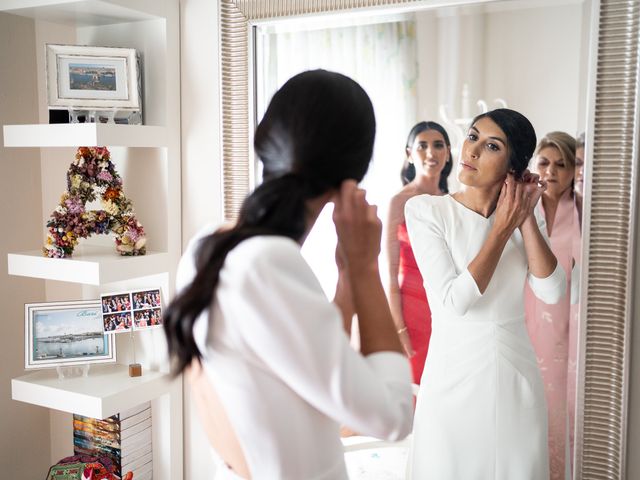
[612, 145]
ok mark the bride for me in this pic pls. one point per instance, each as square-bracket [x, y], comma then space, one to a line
[481, 410]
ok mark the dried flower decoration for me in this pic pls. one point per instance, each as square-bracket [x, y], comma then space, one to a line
[92, 176]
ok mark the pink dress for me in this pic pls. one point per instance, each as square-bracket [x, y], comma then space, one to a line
[553, 329]
[415, 308]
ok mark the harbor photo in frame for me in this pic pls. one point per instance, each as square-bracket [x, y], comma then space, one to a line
[65, 334]
[93, 78]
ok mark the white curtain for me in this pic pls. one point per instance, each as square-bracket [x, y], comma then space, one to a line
[382, 59]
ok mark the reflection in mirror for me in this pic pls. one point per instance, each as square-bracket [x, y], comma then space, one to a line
[445, 66]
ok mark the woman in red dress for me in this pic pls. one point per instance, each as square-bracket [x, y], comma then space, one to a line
[426, 168]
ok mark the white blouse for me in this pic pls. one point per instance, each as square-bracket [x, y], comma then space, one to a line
[278, 357]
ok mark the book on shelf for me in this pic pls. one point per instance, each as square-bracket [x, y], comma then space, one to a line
[125, 438]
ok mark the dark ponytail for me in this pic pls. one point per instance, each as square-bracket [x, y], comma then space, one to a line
[317, 131]
[408, 172]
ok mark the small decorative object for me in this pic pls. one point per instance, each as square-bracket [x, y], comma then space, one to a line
[85, 467]
[92, 175]
[66, 333]
[94, 81]
[135, 370]
[125, 439]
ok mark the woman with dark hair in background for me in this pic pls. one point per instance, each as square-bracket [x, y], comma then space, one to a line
[268, 358]
[427, 165]
[481, 409]
[553, 328]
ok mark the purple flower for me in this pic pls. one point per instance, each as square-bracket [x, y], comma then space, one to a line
[105, 175]
[74, 205]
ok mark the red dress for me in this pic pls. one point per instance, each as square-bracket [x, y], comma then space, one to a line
[415, 308]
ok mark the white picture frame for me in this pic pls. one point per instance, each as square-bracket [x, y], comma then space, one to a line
[64, 334]
[93, 78]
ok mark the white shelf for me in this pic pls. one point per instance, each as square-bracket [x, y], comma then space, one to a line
[79, 13]
[93, 265]
[84, 134]
[107, 390]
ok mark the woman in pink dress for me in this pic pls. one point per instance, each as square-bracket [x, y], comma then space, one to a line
[550, 326]
[427, 165]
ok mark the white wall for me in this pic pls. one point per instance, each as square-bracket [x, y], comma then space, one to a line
[533, 58]
[533, 61]
[25, 428]
[201, 170]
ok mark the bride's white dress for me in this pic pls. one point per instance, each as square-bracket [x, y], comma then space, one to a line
[481, 411]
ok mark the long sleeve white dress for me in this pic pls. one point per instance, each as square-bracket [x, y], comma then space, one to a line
[278, 357]
[481, 412]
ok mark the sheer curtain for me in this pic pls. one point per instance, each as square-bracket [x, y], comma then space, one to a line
[382, 58]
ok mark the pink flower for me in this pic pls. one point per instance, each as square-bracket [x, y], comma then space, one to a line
[105, 175]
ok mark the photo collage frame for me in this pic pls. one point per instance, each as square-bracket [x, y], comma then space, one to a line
[133, 310]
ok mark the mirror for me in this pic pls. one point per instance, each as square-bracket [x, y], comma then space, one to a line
[447, 65]
[484, 37]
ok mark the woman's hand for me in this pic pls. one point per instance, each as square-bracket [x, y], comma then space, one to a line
[517, 200]
[512, 208]
[535, 188]
[358, 228]
[403, 333]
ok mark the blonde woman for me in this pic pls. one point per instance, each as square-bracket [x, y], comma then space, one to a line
[550, 326]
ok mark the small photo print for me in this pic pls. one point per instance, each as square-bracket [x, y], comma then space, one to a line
[116, 322]
[117, 302]
[146, 299]
[147, 308]
[116, 312]
[147, 318]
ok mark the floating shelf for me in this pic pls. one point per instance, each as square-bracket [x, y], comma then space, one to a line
[80, 13]
[107, 390]
[84, 134]
[94, 265]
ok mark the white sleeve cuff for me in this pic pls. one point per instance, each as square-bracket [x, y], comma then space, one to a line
[463, 294]
[552, 288]
[391, 366]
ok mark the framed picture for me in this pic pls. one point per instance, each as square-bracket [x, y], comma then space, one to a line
[66, 333]
[93, 78]
[116, 312]
[147, 309]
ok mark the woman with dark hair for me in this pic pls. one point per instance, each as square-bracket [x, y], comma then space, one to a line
[426, 168]
[553, 328]
[271, 370]
[482, 412]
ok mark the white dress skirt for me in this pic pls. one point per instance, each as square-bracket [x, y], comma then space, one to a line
[481, 411]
